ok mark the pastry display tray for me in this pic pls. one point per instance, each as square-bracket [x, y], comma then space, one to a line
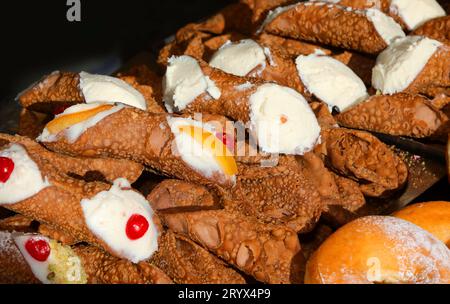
[426, 162]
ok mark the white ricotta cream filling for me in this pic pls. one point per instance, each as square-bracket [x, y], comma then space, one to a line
[331, 81]
[400, 64]
[25, 180]
[191, 151]
[107, 213]
[239, 58]
[282, 120]
[417, 12]
[184, 81]
[386, 26]
[102, 88]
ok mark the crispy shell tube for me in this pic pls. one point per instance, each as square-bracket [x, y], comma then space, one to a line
[271, 254]
[360, 156]
[63, 89]
[399, 114]
[334, 25]
[188, 263]
[438, 29]
[102, 169]
[149, 139]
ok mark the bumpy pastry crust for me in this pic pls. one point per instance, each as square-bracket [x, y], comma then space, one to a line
[434, 79]
[362, 157]
[269, 253]
[32, 123]
[438, 29]
[328, 24]
[88, 169]
[399, 114]
[282, 194]
[188, 263]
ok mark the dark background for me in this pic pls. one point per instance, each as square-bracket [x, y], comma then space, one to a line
[36, 37]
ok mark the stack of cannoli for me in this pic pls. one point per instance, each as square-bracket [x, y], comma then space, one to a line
[257, 123]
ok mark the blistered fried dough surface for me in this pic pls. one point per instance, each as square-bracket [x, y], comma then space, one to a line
[399, 114]
[291, 46]
[260, 8]
[57, 235]
[13, 267]
[104, 169]
[434, 79]
[361, 156]
[438, 29]
[279, 195]
[188, 263]
[15, 223]
[340, 196]
[328, 24]
[56, 88]
[269, 253]
[32, 123]
[382, 5]
[135, 135]
[101, 268]
[173, 193]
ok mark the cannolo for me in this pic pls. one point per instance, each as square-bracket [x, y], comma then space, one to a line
[447, 157]
[174, 146]
[292, 47]
[114, 218]
[280, 195]
[360, 156]
[414, 64]
[330, 81]
[368, 31]
[88, 169]
[34, 258]
[188, 263]
[274, 113]
[409, 14]
[250, 59]
[57, 91]
[437, 29]
[340, 196]
[400, 114]
[269, 253]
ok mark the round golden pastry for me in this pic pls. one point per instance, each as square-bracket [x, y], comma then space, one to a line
[379, 249]
[434, 217]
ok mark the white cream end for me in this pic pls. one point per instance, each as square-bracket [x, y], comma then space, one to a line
[107, 214]
[102, 88]
[192, 152]
[331, 81]
[239, 58]
[415, 13]
[73, 132]
[25, 180]
[386, 26]
[184, 81]
[400, 64]
[282, 120]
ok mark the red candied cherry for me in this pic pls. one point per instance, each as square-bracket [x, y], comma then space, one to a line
[6, 168]
[227, 140]
[137, 226]
[58, 110]
[39, 249]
